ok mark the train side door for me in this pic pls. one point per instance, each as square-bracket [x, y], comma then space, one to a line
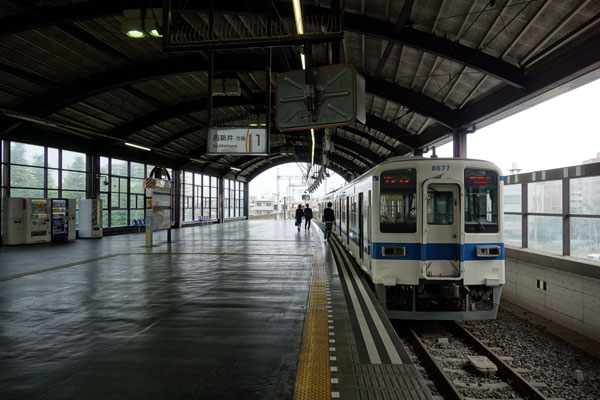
[367, 221]
[361, 234]
[338, 216]
[347, 220]
[441, 231]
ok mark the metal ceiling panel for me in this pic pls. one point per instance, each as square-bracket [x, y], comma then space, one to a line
[453, 65]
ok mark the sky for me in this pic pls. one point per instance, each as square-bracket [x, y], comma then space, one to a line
[561, 132]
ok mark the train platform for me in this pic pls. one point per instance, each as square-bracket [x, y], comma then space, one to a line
[243, 310]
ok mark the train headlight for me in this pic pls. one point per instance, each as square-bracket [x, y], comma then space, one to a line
[488, 251]
[393, 251]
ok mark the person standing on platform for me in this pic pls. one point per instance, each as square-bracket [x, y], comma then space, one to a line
[307, 216]
[299, 215]
[329, 219]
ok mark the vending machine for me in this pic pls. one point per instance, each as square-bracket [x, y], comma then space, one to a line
[13, 224]
[25, 221]
[64, 222]
[37, 225]
[90, 218]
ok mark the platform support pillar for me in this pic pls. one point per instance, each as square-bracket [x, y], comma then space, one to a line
[460, 143]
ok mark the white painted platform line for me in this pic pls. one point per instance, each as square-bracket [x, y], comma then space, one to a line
[385, 337]
[362, 321]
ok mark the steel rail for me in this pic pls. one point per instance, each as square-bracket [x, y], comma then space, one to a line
[445, 383]
[520, 383]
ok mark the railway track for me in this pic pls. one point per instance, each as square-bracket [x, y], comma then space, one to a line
[447, 352]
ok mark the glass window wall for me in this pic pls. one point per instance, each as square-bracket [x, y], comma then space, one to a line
[545, 233]
[585, 238]
[512, 198]
[544, 197]
[123, 195]
[38, 171]
[513, 233]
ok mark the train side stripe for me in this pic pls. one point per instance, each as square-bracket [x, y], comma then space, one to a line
[436, 251]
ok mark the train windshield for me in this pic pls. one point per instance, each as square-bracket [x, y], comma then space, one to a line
[481, 201]
[398, 201]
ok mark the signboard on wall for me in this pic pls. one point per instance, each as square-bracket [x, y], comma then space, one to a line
[237, 141]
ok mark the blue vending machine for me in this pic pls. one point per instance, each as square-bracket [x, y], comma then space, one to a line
[63, 219]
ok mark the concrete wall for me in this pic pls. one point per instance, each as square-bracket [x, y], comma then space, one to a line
[571, 296]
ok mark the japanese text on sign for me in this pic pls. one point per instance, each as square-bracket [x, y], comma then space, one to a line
[237, 141]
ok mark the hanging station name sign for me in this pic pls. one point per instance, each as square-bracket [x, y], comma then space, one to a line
[248, 141]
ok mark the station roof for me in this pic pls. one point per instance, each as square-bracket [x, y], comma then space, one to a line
[71, 78]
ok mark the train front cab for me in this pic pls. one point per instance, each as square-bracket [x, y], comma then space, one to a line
[448, 264]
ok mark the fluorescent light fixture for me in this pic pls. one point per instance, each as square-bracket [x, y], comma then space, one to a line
[152, 22]
[135, 34]
[132, 24]
[303, 60]
[298, 17]
[235, 169]
[137, 146]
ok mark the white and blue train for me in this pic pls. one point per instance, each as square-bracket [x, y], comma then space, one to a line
[428, 233]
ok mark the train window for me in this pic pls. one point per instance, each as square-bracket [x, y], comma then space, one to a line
[481, 201]
[440, 208]
[398, 201]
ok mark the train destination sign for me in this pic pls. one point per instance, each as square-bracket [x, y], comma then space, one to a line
[397, 179]
[236, 141]
[480, 178]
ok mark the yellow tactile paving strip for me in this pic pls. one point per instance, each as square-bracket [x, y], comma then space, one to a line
[313, 380]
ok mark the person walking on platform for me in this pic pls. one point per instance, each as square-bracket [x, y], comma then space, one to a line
[329, 219]
[307, 216]
[299, 215]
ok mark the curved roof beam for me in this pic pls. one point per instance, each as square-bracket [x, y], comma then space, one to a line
[343, 165]
[121, 77]
[278, 160]
[371, 138]
[300, 151]
[392, 130]
[362, 153]
[173, 111]
[348, 147]
[414, 101]
[438, 46]
[363, 25]
[427, 42]
[128, 75]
